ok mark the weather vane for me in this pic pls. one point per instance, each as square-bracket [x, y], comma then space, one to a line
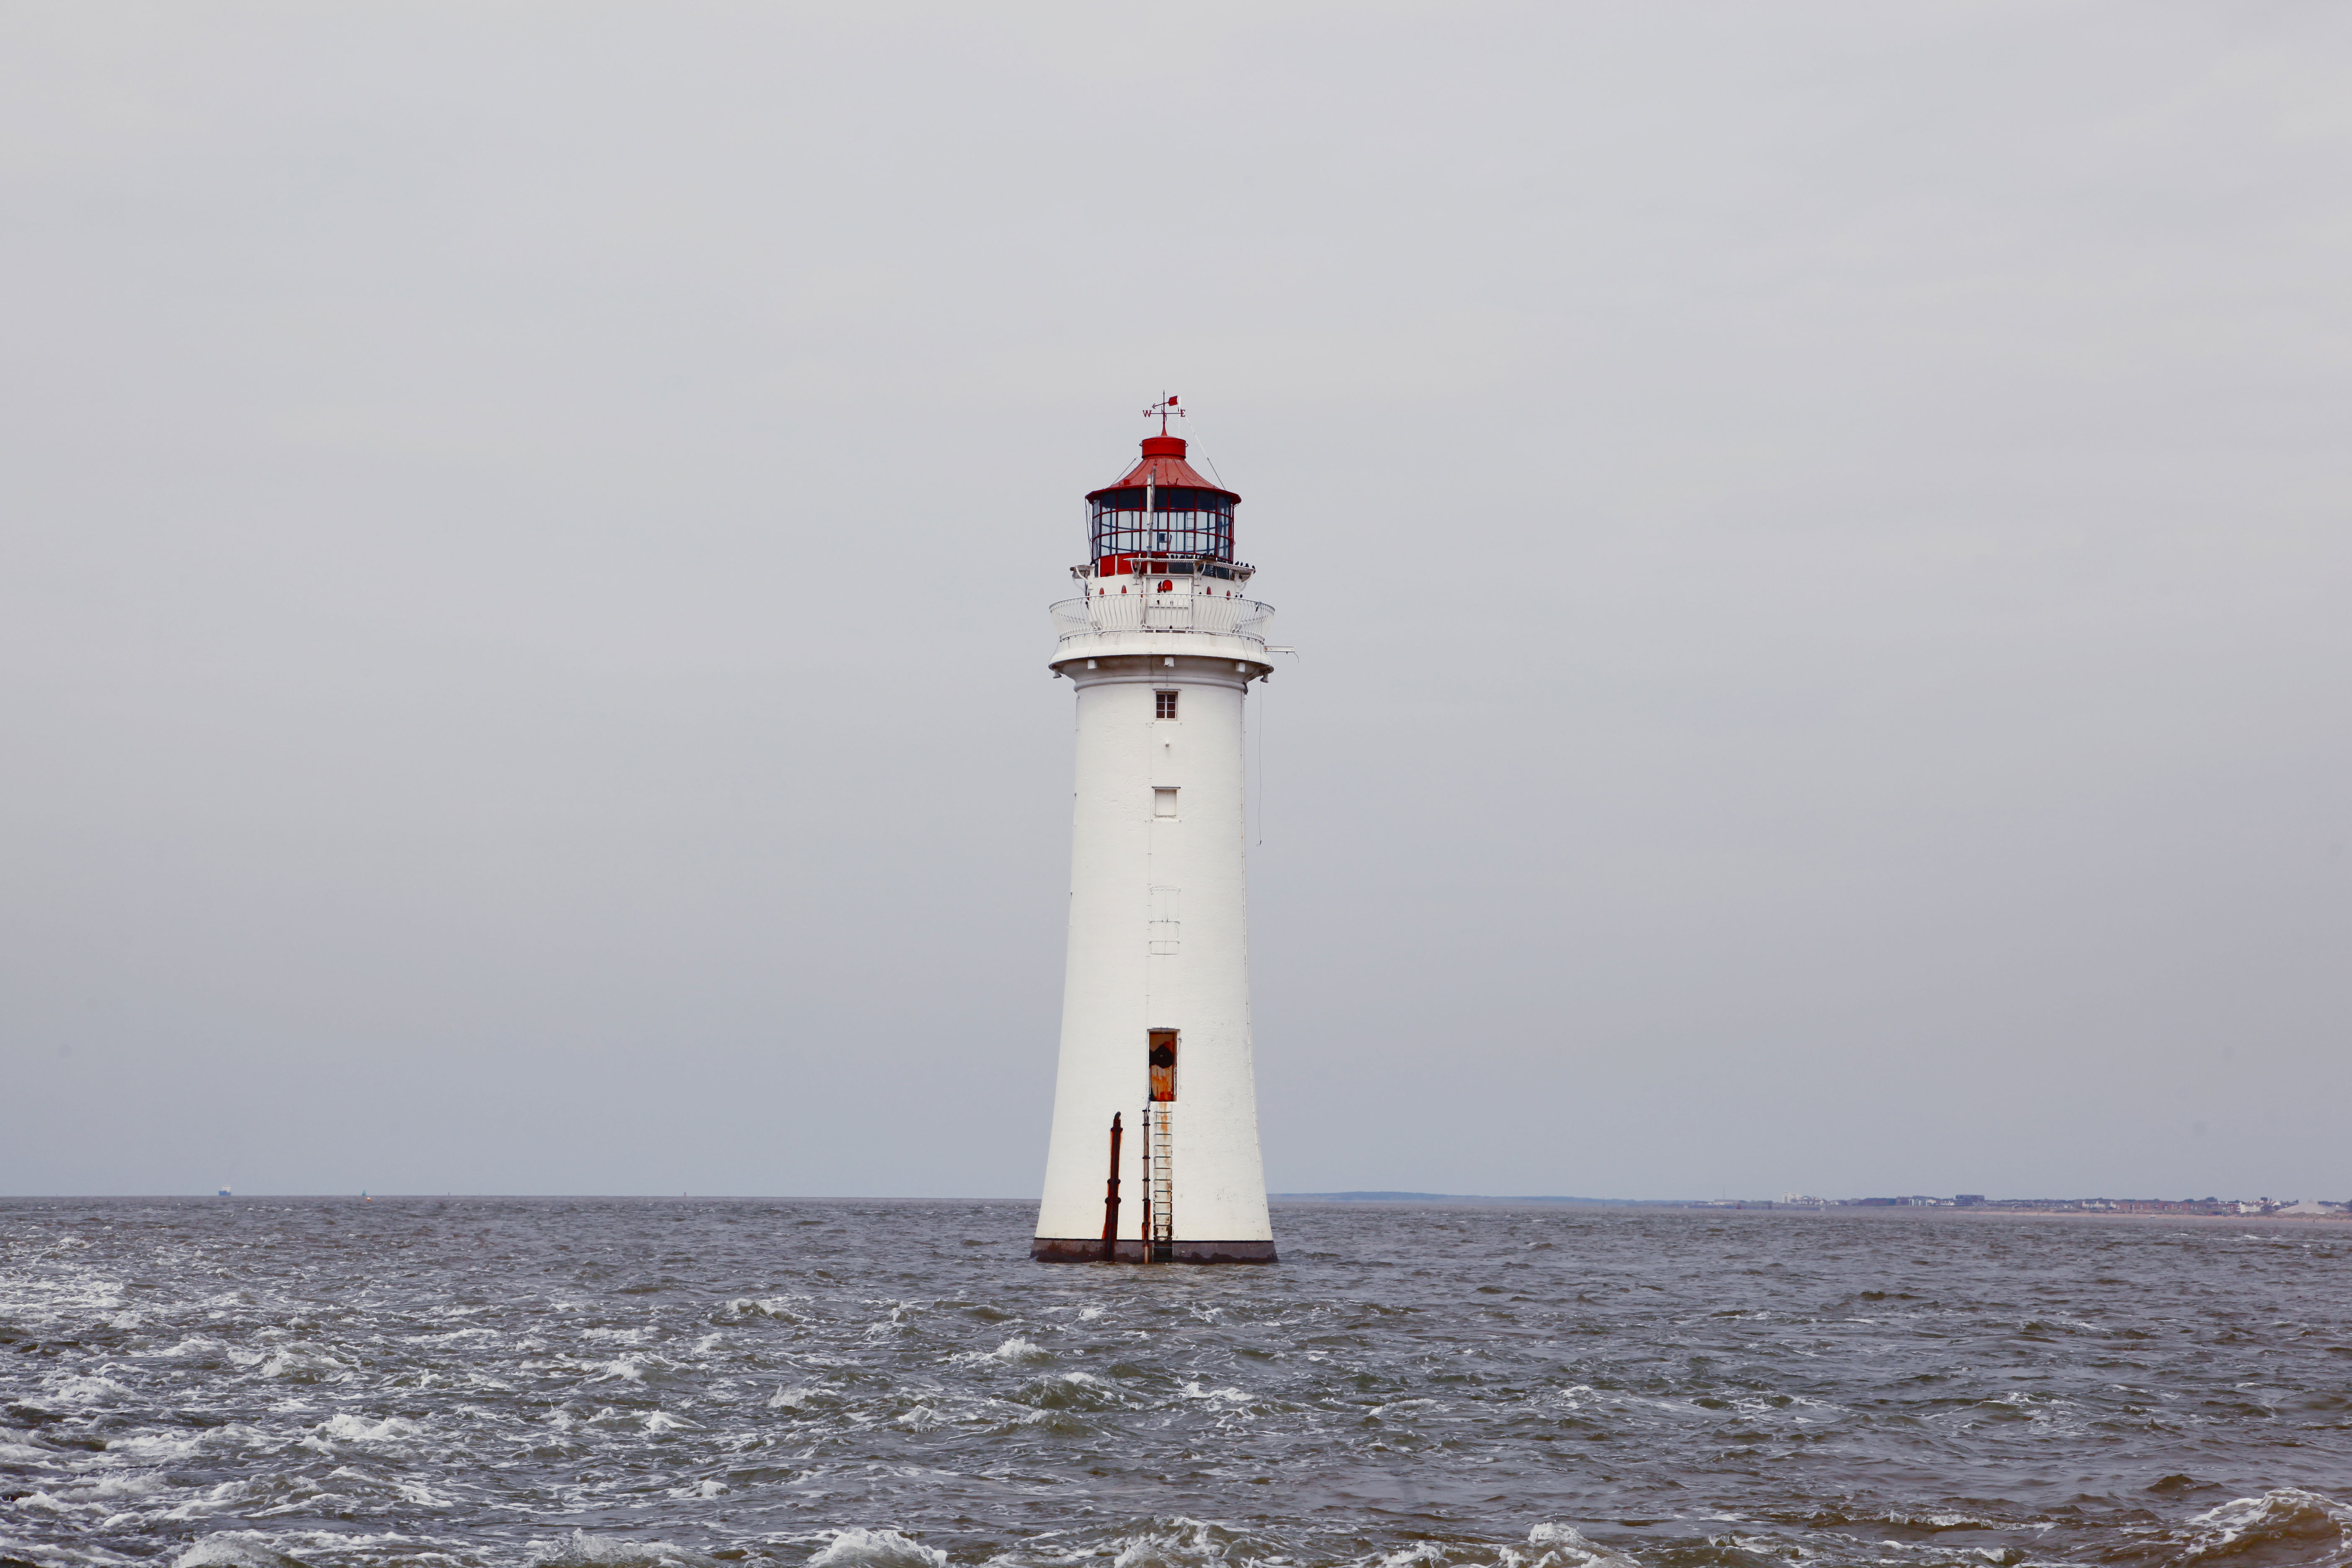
[1165, 407]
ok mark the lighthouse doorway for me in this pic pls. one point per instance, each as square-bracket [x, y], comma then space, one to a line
[1163, 1064]
[1160, 1150]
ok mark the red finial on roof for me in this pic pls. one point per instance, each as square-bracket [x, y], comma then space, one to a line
[1164, 408]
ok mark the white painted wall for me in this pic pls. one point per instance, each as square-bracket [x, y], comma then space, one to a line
[1115, 986]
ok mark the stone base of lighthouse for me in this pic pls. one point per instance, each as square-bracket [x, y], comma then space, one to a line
[1072, 1250]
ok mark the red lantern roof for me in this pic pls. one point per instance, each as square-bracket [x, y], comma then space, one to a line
[1163, 465]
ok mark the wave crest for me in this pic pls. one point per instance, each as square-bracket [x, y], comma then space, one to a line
[581, 1549]
[857, 1548]
[2283, 1526]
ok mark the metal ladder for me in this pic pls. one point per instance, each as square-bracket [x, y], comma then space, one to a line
[1160, 1183]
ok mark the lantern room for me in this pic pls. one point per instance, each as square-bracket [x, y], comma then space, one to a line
[1163, 519]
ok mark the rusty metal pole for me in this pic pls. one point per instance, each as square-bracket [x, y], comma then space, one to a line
[1147, 1182]
[1110, 1198]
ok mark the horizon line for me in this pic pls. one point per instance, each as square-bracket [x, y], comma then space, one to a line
[1356, 1196]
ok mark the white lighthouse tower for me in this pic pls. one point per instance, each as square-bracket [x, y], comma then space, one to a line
[1154, 1155]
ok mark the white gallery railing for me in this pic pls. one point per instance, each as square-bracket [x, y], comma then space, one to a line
[1131, 612]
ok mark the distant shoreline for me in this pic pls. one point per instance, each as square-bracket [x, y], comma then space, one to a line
[1848, 1211]
[1464, 1201]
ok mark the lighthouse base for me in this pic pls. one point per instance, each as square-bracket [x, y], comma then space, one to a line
[1089, 1249]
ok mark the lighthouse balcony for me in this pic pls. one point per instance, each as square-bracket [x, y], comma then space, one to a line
[1176, 610]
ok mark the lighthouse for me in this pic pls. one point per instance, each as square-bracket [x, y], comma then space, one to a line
[1154, 1154]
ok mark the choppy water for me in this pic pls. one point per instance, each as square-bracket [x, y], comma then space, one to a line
[895, 1385]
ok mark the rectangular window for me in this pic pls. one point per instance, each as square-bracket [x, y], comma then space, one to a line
[1163, 704]
[1166, 930]
[1163, 802]
[1163, 1064]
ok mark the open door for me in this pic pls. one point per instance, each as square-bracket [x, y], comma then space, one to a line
[1163, 1064]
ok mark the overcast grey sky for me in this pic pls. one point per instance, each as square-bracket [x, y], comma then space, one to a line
[1816, 535]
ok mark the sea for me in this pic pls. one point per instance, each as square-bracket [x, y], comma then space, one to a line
[631, 1383]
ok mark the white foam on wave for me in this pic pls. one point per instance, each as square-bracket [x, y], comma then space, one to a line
[297, 1364]
[235, 1549]
[231, 1497]
[2308, 1520]
[169, 1448]
[1562, 1546]
[1942, 1521]
[857, 1548]
[1402, 1405]
[1548, 1546]
[899, 1312]
[1233, 1396]
[581, 1549]
[787, 1308]
[1426, 1552]
[359, 1429]
[59, 1554]
[1175, 1543]
[1014, 1351]
[637, 1366]
[88, 1391]
[193, 1345]
[38, 1501]
[130, 1487]
[448, 1337]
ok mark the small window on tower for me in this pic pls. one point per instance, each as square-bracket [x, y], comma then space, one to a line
[1163, 802]
[1163, 704]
